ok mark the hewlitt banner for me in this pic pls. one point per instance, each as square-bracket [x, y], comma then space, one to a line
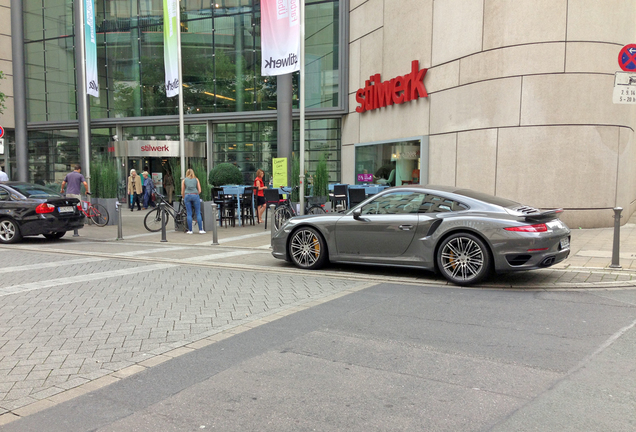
[171, 46]
[91, 49]
[280, 36]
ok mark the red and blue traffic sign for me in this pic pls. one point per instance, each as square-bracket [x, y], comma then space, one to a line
[627, 58]
[1, 131]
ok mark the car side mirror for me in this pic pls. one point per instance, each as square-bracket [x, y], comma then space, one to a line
[356, 213]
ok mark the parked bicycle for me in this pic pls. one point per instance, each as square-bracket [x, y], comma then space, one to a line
[152, 221]
[284, 211]
[95, 212]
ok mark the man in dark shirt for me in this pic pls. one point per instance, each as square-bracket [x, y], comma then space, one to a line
[74, 180]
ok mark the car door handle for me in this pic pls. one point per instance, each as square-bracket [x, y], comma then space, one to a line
[405, 227]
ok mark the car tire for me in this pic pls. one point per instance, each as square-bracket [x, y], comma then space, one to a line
[9, 231]
[463, 259]
[55, 235]
[307, 249]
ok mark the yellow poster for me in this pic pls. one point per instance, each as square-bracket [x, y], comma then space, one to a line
[280, 172]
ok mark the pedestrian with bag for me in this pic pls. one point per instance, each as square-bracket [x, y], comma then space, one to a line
[191, 188]
[134, 189]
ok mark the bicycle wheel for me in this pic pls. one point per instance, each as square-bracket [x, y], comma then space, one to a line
[281, 214]
[181, 220]
[99, 214]
[152, 221]
[316, 209]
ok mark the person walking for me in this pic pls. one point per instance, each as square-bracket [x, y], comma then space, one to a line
[168, 184]
[134, 189]
[149, 188]
[3, 175]
[191, 188]
[74, 180]
[259, 185]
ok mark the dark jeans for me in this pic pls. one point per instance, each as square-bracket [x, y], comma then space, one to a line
[193, 205]
[135, 199]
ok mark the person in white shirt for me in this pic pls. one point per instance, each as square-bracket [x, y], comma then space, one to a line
[3, 175]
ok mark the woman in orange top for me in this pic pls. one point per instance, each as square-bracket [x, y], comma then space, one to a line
[259, 185]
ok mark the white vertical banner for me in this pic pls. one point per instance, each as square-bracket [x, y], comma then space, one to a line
[90, 44]
[171, 28]
[280, 37]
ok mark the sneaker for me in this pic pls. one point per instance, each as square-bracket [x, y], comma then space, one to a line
[201, 232]
[188, 232]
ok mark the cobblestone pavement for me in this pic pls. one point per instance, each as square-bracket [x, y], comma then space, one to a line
[68, 319]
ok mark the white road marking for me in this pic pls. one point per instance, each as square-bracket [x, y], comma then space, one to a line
[217, 256]
[49, 265]
[150, 251]
[237, 238]
[15, 289]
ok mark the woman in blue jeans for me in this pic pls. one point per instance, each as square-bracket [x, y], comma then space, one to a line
[191, 188]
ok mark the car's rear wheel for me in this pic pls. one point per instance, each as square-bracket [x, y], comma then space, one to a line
[463, 259]
[55, 235]
[9, 231]
[307, 249]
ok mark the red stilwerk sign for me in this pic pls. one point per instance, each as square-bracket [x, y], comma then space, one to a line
[377, 94]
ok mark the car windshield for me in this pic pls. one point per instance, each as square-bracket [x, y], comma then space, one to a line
[490, 199]
[35, 191]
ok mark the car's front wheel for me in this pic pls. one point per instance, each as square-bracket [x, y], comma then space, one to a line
[9, 231]
[463, 259]
[307, 249]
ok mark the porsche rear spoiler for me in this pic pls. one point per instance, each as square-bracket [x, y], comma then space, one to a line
[544, 215]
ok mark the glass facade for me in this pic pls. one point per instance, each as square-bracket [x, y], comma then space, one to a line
[221, 56]
[390, 163]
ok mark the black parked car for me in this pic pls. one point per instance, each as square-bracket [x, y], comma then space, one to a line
[28, 209]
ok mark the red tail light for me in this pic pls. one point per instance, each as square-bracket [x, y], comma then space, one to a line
[44, 208]
[529, 228]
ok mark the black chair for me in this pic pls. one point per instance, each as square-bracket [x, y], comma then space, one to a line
[356, 196]
[247, 205]
[227, 206]
[271, 197]
[340, 195]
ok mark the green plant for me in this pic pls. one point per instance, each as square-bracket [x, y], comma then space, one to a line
[104, 178]
[200, 171]
[175, 169]
[225, 174]
[321, 177]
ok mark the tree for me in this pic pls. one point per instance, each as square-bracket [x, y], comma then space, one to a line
[2, 96]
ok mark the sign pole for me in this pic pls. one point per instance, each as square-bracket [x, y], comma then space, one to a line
[181, 131]
[302, 108]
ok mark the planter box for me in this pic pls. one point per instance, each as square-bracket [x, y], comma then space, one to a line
[111, 207]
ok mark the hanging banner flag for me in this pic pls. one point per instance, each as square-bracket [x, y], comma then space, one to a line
[171, 46]
[280, 37]
[90, 43]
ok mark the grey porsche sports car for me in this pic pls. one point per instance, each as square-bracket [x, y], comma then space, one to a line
[463, 234]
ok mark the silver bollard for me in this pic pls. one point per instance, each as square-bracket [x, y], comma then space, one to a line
[215, 226]
[617, 238]
[164, 217]
[120, 235]
[271, 209]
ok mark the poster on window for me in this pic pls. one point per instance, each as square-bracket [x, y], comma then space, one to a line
[280, 37]
[171, 46]
[90, 49]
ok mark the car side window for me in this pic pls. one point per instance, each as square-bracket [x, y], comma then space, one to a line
[4, 195]
[399, 202]
[436, 204]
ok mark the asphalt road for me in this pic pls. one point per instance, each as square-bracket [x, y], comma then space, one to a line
[328, 354]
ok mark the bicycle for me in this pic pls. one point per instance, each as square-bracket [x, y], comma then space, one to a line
[152, 221]
[284, 211]
[95, 212]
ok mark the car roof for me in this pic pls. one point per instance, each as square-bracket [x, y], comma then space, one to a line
[466, 193]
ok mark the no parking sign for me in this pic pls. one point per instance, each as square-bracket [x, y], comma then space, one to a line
[627, 58]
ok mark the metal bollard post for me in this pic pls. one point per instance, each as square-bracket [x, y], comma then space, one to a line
[164, 215]
[271, 209]
[617, 238]
[215, 233]
[120, 235]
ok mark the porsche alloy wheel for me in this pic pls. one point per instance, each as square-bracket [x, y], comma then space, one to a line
[307, 249]
[463, 259]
